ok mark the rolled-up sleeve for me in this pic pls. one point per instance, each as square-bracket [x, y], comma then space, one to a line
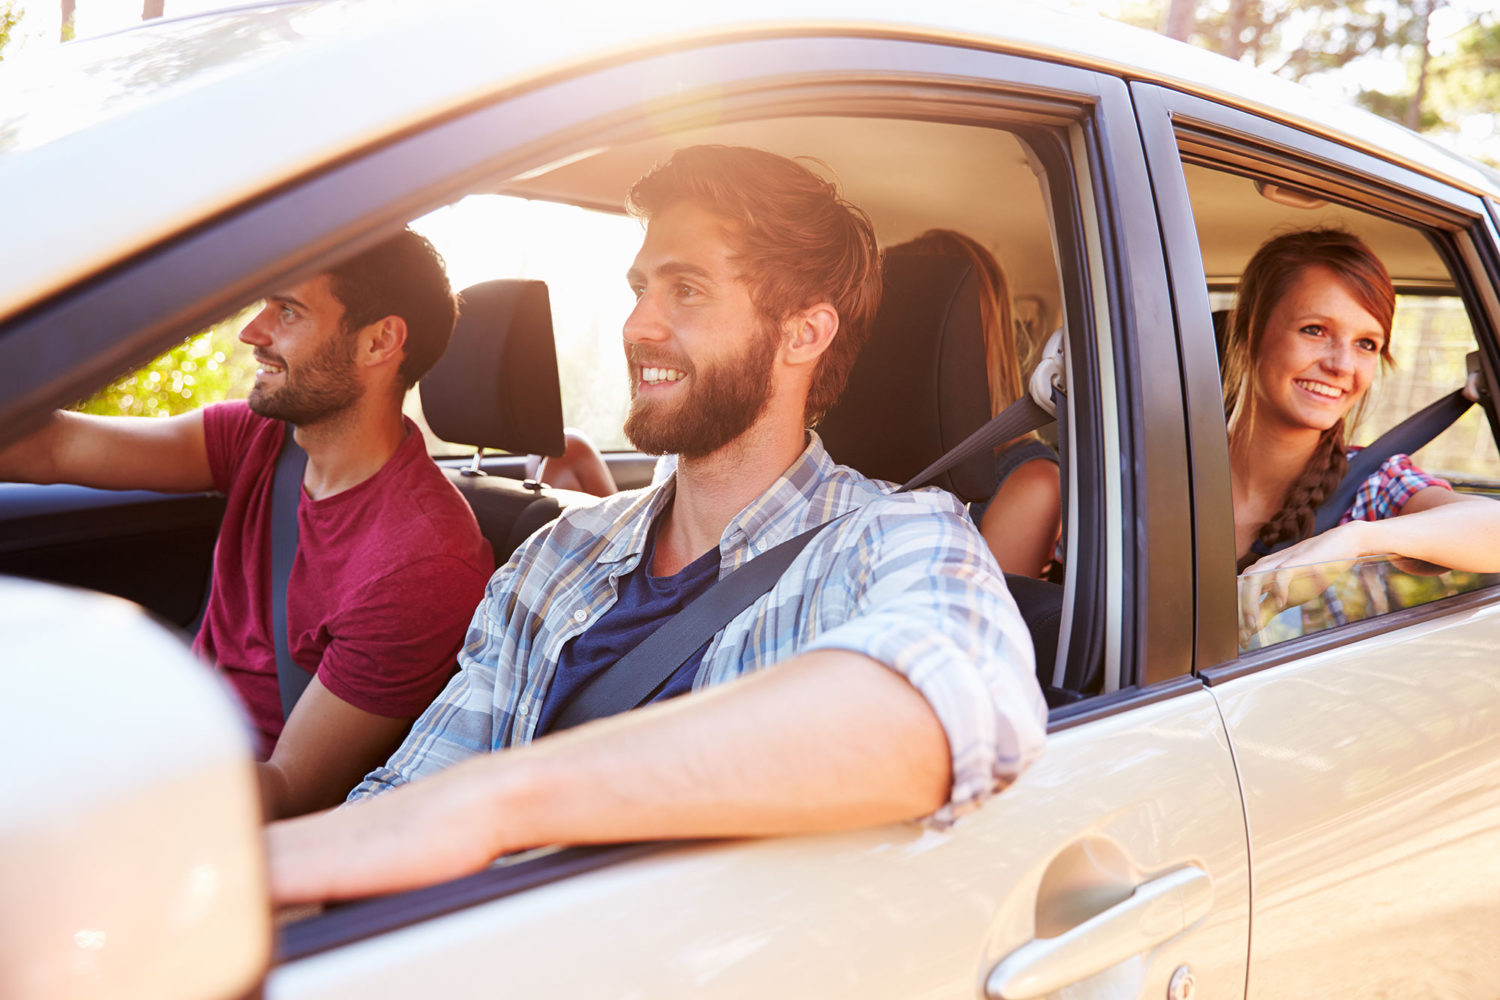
[928, 601]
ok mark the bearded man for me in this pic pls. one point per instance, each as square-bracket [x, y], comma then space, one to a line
[886, 676]
[389, 558]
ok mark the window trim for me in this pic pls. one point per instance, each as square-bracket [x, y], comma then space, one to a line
[1177, 127]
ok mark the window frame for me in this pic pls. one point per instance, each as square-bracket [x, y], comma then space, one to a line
[1176, 127]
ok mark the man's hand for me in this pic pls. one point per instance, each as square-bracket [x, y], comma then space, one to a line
[827, 741]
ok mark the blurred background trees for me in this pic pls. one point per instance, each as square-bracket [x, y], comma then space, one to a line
[1430, 65]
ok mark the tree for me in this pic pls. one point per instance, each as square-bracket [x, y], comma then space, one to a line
[10, 16]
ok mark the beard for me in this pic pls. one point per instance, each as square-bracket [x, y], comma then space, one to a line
[722, 402]
[321, 387]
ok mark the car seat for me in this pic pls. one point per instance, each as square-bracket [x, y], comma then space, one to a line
[918, 389]
[496, 386]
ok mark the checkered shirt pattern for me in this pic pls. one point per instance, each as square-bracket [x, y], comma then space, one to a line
[1388, 489]
[905, 580]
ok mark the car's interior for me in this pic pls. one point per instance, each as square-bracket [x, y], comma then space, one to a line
[502, 391]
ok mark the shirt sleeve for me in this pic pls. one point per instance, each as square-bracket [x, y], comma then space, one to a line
[930, 603]
[227, 432]
[397, 642]
[1388, 490]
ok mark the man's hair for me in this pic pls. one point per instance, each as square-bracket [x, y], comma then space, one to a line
[795, 240]
[402, 276]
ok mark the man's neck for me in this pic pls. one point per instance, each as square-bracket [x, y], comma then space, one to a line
[712, 489]
[345, 450]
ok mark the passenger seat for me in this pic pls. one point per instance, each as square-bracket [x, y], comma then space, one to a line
[496, 387]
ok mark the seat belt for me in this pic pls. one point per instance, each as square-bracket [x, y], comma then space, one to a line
[286, 493]
[1403, 439]
[638, 674]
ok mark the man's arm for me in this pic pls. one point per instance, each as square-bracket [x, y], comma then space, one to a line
[326, 747]
[829, 740]
[116, 453]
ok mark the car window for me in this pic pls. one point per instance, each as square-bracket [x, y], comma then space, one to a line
[208, 367]
[1432, 337]
[1286, 604]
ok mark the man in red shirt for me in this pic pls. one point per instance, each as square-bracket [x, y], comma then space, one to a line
[390, 562]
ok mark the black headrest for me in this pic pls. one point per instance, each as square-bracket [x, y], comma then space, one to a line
[496, 384]
[919, 386]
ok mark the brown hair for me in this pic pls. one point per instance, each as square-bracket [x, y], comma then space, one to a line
[796, 241]
[402, 276]
[1267, 278]
[1002, 363]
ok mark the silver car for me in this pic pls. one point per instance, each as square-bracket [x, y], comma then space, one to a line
[1248, 790]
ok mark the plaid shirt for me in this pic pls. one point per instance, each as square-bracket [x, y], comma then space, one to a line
[905, 580]
[1388, 489]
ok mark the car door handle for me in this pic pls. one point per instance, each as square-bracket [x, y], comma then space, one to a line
[1156, 911]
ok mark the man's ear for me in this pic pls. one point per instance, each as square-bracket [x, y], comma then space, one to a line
[383, 342]
[809, 333]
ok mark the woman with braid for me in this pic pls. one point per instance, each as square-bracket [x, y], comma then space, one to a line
[1311, 326]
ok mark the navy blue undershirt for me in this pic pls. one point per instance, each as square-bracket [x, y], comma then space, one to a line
[644, 604]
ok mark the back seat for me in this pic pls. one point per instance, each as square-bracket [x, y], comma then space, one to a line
[917, 390]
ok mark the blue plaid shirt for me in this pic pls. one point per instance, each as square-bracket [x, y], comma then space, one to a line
[905, 580]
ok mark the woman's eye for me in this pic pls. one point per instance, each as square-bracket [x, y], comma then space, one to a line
[1313, 330]
[1366, 344]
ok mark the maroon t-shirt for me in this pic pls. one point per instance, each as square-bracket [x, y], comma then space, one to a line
[386, 578]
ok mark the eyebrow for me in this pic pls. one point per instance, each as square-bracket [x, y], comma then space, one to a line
[672, 269]
[287, 299]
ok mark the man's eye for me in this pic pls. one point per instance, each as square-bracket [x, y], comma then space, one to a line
[287, 315]
[637, 291]
[686, 291]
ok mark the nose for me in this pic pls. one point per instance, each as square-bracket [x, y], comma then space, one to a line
[644, 323]
[1339, 357]
[255, 332]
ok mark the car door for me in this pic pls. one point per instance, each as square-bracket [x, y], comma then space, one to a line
[1366, 751]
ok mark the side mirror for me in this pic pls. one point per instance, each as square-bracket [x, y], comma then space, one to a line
[130, 847]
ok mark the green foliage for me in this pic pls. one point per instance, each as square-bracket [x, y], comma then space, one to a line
[10, 16]
[206, 368]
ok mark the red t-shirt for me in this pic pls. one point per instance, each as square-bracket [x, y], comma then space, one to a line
[387, 575]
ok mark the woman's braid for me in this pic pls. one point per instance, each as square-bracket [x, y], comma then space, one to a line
[1323, 471]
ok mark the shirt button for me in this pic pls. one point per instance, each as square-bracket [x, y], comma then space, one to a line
[580, 616]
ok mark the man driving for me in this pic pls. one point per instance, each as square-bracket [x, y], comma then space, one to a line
[389, 559]
[886, 676]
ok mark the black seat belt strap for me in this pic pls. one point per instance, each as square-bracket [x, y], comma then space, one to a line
[286, 493]
[637, 675]
[1403, 439]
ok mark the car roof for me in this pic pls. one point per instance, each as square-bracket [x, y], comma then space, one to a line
[124, 140]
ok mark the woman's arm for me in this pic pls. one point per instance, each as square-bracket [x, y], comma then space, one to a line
[1436, 525]
[1022, 522]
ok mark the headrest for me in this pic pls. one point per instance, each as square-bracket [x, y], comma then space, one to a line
[496, 384]
[919, 386]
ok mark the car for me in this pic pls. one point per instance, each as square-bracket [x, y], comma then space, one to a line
[1234, 802]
